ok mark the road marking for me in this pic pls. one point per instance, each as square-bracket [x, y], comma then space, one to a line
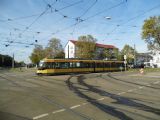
[148, 85]
[13, 75]
[40, 116]
[101, 99]
[121, 93]
[156, 82]
[130, 90]
[75, 106]
[84, 103]
[140, 87]
[57, 111]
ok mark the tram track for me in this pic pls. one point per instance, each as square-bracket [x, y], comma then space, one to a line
[34, 93]
[110, 77]
[109, 108]
[105, 108]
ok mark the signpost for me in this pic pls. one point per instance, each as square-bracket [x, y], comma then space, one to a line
[125, 62]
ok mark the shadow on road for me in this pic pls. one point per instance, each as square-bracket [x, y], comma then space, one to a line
[106, 108]
[11, 116]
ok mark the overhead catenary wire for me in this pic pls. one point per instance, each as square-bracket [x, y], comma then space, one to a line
[74, 25]
[49, 7]
[36, 19]
[85, 12]
[44, 12]
[78, 19]
[133, 18]
[86, 19]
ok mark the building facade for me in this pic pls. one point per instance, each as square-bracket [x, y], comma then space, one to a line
[155, 62]
[70, 49]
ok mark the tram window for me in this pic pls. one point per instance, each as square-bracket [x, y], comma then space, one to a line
[77, 64]
[49, 65]
[70, 64]
[73, 65]
[99, 65]
[119, 65]
[86, 65]
[57, 65]
[113, 65]
[107, 65]
[64, 65]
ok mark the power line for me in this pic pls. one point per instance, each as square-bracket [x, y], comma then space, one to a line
[49, 7]
[98, 13]
[133, 18]
[88, 8]
[78, 19]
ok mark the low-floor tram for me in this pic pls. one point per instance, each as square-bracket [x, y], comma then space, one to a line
[63, 66]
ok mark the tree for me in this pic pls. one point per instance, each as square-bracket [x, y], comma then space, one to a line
[54, 49]
[117, 54]
[151, 32]
[86, 47]
[37, 54]
[129, 52]
[108, 53]
[5, 60]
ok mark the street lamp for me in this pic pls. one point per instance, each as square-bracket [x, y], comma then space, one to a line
[108, 18]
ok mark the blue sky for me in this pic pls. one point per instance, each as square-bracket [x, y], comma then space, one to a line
[29, 20]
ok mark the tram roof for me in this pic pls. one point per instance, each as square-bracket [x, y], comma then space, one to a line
[77, 60]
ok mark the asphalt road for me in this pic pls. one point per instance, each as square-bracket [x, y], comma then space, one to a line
[94, 96]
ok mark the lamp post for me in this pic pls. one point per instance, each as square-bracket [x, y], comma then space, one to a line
[68, 51]
[135, 55]
[125, 62]
[13, 61]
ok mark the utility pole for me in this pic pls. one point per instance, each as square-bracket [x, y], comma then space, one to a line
[13, 61]
[125, 62]
[135, 55]
[68, 51]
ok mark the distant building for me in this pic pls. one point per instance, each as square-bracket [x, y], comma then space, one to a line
[70, 49]
[143, 57]
[151, 59]
[155, 62]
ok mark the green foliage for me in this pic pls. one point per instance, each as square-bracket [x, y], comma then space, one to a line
[5, 60]
[117, 54]
[37, 54]
[108, 53]
[60, 54]
[54, 49]
[86, 47]
[151, 32]
[129, 52]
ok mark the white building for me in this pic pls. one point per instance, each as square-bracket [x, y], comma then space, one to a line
[155, 62]
[70, 48]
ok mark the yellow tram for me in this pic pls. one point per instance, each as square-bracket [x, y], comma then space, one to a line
[63, 66]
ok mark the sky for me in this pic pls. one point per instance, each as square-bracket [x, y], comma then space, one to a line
[24, 21]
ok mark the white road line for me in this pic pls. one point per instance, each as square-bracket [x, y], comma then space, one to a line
[57, 111]
[40, 116]
[156, 82]
[84, 103]
[101, 99]
[75, 106]
[130, 90]
[140, 87]
[121, 93]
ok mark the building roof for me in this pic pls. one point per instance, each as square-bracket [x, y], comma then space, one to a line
[97, 45]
